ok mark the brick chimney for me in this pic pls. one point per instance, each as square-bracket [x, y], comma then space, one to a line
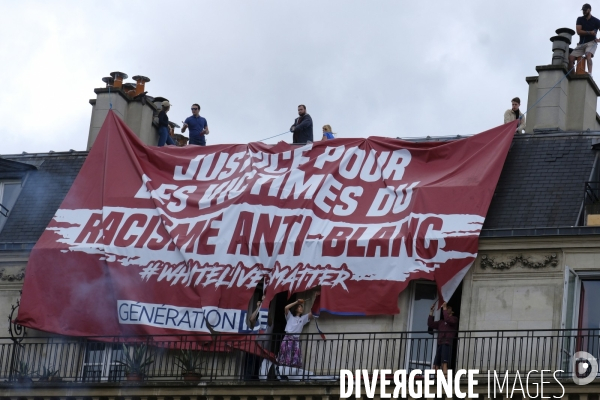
[129, 102]
[571, 105]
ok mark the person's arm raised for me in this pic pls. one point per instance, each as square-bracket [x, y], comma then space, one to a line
[289, 306]
[254, 315]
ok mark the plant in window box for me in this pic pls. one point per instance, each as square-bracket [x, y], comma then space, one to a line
[190, 362]
[136, 361]
[24, 373]
[49, 374]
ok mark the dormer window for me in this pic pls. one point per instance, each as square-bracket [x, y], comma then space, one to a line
[9, 191]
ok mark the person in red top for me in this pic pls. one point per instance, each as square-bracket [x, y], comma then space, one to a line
[446, 327]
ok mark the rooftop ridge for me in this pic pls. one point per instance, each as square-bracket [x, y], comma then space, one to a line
[46, 154]
[537, 135]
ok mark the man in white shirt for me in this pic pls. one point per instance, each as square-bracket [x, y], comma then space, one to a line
[514, 113]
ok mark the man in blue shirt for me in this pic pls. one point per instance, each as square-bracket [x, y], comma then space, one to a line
[198, 127]
[587, 27]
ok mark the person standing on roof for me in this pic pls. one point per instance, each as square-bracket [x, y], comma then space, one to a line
[198, 127]
[327, 134]
[586, 27]
[514, 113]
[302, 127]
[164, 130]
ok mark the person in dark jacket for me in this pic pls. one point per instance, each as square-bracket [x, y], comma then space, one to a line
[446, 327]
[303, 126]
[164, 130]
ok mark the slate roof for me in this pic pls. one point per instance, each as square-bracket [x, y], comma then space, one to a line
[541, 185]
[45, 188]
[543, 181]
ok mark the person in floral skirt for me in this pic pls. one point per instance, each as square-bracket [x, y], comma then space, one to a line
[290, 354]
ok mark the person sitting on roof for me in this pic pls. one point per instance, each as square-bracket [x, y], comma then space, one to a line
[327, 134]
[515, 113]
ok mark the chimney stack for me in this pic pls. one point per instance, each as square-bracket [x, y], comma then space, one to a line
[136, 112]
[140, 83]
[568, 104]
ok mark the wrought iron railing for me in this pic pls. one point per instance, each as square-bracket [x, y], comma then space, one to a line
[210, 358]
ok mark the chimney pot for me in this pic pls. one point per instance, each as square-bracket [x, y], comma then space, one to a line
[109, 80]
[129, 89]
[141, 82]
[118, 77]
[560, 49]
[565, 32]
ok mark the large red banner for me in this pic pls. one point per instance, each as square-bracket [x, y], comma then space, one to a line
[163, 240]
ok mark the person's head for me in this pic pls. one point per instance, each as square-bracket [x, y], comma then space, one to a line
[586, 9]
[195, 109]
[449, 309]
[301, 109]
[326, 128]
[516, 103]
[166, 106]
[297, 310]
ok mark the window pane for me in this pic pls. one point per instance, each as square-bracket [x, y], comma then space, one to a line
[10, 194]
[570, 301]
[421, 349]
[590, 312]
[9, 191]
[589, 317]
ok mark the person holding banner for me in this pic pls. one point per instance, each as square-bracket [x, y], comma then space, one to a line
[252, 361]
[514, 113]
[290, 354]
[303, 127]
[164, 130]
[446, 327]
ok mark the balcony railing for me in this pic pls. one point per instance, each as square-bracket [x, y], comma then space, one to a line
[206, 358]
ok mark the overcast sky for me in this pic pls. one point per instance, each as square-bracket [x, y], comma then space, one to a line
[367, 68]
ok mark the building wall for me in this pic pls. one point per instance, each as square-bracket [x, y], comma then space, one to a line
[12, 268]
[519, 283]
